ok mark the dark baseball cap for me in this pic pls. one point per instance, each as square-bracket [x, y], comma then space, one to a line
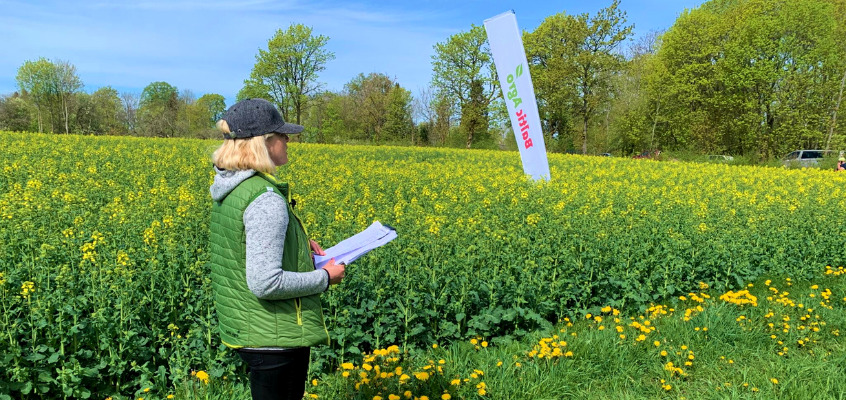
[255, 117]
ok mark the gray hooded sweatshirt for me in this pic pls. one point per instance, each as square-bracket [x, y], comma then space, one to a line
[265, 223]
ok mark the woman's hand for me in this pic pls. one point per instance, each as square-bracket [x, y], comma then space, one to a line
[316, 248]
[336, 272]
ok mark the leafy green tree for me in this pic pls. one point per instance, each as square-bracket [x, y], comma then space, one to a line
[443, 119]
[398, 123]
[463, 71]
[16, 114]
[369, 95]
[318, 117]
[474, 117]
[286, 73]
[635, 110]
[338, 117]
[52, 87]
[574, 60]
[100, 113]
[159, 110]
[753, 76]
[840, 15]
[66, 85]
[214, 105]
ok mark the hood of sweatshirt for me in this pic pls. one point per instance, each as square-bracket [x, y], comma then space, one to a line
[226, 181]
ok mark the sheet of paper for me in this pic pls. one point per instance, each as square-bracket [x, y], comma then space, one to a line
[352, 248]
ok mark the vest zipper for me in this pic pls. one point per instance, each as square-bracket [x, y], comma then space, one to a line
[298, 303]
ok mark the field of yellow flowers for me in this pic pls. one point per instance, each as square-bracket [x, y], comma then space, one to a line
[772, 339]
[105, 291]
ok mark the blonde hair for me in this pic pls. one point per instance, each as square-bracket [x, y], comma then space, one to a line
[241, 154]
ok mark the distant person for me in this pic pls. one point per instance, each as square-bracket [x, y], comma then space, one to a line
[841, 164]
[266, 288]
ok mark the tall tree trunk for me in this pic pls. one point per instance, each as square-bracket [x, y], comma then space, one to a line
[40, 120]
[654, 124]
[585, 118]
[66, 113]
[836, 108]
[299, 107]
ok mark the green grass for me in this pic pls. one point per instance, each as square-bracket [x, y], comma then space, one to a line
[735, 358]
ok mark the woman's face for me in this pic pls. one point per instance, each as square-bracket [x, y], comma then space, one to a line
[277, 148]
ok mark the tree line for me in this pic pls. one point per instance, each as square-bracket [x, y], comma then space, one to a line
[51, 99]
[751, 77]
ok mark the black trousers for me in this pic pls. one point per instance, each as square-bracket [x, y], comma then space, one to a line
[277, 375]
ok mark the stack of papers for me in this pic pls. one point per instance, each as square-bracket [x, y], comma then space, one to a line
[350, 249]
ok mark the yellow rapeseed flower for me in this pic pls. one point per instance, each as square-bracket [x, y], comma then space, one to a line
[27, 288]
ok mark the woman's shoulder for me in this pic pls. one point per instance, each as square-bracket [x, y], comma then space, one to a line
[266, 206]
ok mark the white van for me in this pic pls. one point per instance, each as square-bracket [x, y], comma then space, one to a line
[805, 158]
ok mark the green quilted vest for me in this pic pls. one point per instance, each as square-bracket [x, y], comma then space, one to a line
[244, 319]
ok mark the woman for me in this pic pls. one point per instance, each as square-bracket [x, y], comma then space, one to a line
[841, 164]
[267, 291]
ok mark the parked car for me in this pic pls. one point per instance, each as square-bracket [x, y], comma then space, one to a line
[805, 158]
[720, 158]
[605, 154]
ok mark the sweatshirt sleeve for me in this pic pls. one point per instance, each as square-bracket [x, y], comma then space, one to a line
[265, 222]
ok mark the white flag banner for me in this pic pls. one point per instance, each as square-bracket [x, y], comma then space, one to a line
[513, 70]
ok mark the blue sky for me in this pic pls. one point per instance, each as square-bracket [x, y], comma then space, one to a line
[209, 46]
